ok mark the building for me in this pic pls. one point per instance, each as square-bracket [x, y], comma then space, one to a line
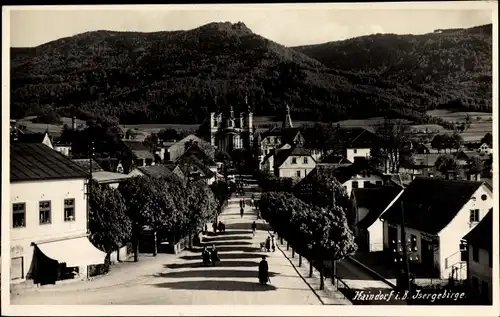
[177, 149]
[137, 154]
[194, 168]
[361, 145]
[485, 149]
[64, 149]
[48, 216]
[437, 213]
[159, 171]
[479, 258]
[294, 163]
[368, 205]
[228, 132]
[43, 138]
[112, 179]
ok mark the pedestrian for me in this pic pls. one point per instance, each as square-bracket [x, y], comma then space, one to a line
[268, 244]
[273, 245]
[214, 226]
[214, 255]
[263, 271]
[223, 227]
[241, 203]
[206, 229]
[241, 212]
[205, 256]
[219, 226]
[254, 227]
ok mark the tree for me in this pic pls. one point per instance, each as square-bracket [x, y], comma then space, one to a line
[456, 141]
[476, 165]
[394, 136]
[148, 205]
[110, 228]
[488, 139]
[439, 142]
[446, 164]
[221, 193]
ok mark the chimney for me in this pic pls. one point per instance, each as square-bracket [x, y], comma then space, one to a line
[73, 123]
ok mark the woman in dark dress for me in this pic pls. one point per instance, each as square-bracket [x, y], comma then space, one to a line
[263, 271]
[214, 255]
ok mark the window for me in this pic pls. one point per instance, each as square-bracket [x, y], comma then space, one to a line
[484, 197]
[378, 182]
[475, 254]
[298, 173]
[17, 268]
[355, 151]
[294, 160]
[474, 215]
[413, 242]
[366, 184]
[354, 184]
[44, 208]
[215, 122]
[19, 215]
[305, 160]
[69, 209]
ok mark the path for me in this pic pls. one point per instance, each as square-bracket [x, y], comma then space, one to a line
[182, 280]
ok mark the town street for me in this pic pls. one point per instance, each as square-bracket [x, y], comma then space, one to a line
[183, 280]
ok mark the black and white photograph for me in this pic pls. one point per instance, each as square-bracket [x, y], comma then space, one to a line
[259, 159]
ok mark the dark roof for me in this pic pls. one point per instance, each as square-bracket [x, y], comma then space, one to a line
[138, 149]
[157, 170]
[346, 172]
[482, 234]
[197, 151]
[187, 161]
[430, 203]
[274, 131]
[36, 161]
[365, 139]
[30, 137]
[375, 200]
[288, 135]
[282, 155]
[85, 165]
[334, 158]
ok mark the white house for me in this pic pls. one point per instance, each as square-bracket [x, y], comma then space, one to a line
[369, 204]
[437, 213]
[48, 216]
[485, 149]
[294, 163]
[64, 149]
[479, 258]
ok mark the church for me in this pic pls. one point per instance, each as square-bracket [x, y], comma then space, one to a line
[228, 132]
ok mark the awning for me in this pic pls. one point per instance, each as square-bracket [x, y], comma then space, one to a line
[73, 252]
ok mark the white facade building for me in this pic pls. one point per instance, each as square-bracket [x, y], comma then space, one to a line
[48, 213]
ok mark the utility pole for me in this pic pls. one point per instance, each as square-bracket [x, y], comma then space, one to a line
[91, 154]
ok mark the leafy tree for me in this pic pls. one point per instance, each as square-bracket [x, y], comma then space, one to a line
[439, 142]
[148, 205]
[488, 139]
[221, 193]
[110, 228]
[476, 165]
[456, 141]
[394, 136]
[446, 164]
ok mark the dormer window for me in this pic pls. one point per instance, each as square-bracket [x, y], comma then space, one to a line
[305, 160]
[294, 160]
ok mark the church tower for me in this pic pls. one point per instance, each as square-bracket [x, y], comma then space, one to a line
[288, 119]
[249, 123]
[214, 123]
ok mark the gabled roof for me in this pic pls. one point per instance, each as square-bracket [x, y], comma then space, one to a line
[202, 144]
[365, 139]
[104, 177]
[289, 134]
[186, 161]
[334, 158]
[375, 200]
[85, 165]
[345, 173]
[430, 204]
[195, 150]
[30, 137]
[138, 149]
[36, 161]
[157, 170]
[282, 155]
[482, 234]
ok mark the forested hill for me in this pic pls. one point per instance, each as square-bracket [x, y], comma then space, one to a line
[172, 77]
[455, 63]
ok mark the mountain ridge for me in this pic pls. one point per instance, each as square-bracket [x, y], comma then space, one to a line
[174, 76]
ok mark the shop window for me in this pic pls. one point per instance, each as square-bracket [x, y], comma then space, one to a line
[19, 215]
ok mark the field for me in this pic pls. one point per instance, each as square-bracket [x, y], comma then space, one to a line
[481, 122]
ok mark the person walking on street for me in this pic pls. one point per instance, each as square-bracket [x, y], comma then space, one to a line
[214, 226]
[263, 271]
[254, 227]
[273, 245]
[241, 212]
[268, 244]
[214, 255]
[205, 256]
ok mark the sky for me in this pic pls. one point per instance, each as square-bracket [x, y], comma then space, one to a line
[288, 25]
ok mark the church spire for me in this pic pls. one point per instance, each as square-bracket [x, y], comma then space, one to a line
[288, 119]
[249, 109]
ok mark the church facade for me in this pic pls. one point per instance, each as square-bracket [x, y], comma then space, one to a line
[228, 132]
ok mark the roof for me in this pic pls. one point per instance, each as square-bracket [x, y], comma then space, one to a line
[488, 182]
[197, 151]
[430, 204]
[85, 165]
[140, 150]
[108, 177]
[30, 137]
[189, 160]
[202, 144]
[157, 170]
[36, 161]
[334, 158]
[289, 134]
[282, 155]
[482, 234]
[365, 139]
[375, 200]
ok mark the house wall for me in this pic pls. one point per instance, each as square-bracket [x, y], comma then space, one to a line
[287, 169]
[47, 142]
[65, 150]
[480, 270]
[359, 153]
[31, 193]
[451, 235]
[376, 235]
[361, 181]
